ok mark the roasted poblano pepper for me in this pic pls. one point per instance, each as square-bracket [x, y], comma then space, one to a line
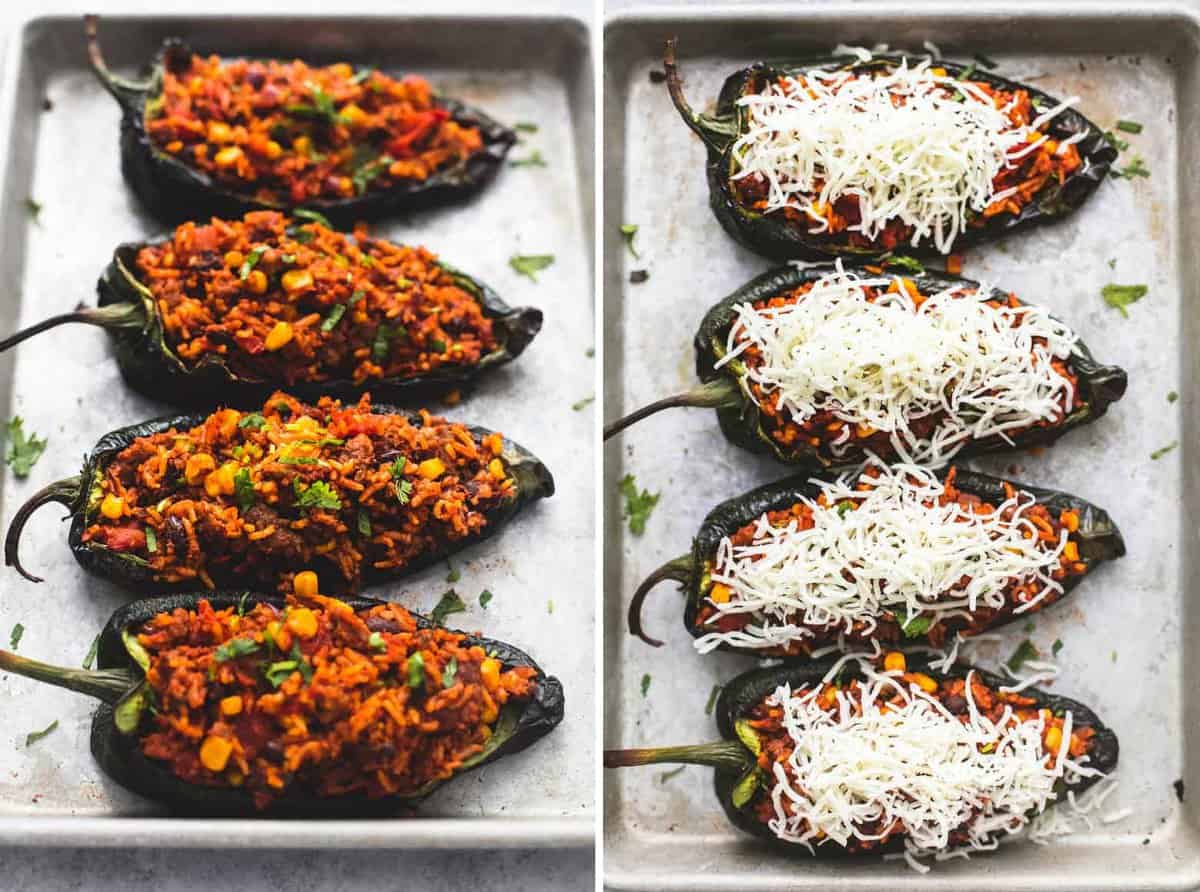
[1097, 539]
[174, 191]
[119, 684]
[740, 782]
[726, 390]
[532, 481]
[774, 236]
[128, 311]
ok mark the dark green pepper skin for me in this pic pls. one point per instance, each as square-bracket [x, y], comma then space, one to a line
[122, 760]
[736, 765]
[173, 191]
[533, 480]
[150, 366]
[1098, 537]
[743, 692]
[740, 419]
[774, 237]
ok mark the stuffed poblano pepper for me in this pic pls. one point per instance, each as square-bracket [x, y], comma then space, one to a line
[833, 759]
[206, 135]
[865, 153]
[230, 310]
[826, 365]
[241, 703]
[358, 492]
[881, 555]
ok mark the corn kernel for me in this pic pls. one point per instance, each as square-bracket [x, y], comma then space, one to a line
[720, 594]
[489, 673]
[234, 259]
[231, 705]
[305, 584]
[431, 468]
[496, 469]
[302, 145]
[273, 150]
[296, 280]
[302, 622]
[1053, 739]
[215, 752]
[353, 114]
[219, 131]
[924, 682]
[112, 507]
[228, 156]
[197, 466]
[279, 336]
[256, 281]
[220, 482]
[895, 662]
[1071, 551]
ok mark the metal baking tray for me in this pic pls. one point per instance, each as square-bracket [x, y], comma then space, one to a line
[1130, 638]
[520, 68]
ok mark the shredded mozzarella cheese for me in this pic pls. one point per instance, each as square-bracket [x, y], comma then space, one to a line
[911, 145]
[888, 362]
[898, 550]
[915, 763]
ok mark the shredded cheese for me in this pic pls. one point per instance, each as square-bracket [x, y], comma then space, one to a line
[858, 770]
[911, 145]
[886, 363]
[897, 549]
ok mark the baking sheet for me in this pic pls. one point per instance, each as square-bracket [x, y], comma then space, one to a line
[1129, 635]
[66, 386]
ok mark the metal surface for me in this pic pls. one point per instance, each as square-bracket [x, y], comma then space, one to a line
[1129, 638]
[522, 68]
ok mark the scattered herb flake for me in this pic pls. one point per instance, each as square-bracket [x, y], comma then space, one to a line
[243, 490]
[712, 699]
[485, 598]
[667, 775]
[844, 508]
[376, 643]
[525, 127]
[23, 452]
[1136, 168]
[629, 233]
[235, 648]
[253, 421]
[241, 608]
[1025, 651]
[1159, 453]
[437, 345]
[529, 265]
[33, 208]
[319, 495]
[1172, 397]
[364, 522]
[251, 261]
[416, 670]
[1112, 263]
[1129, 126]
[645, 683]
[1056, 647]
[151, 540]
[638, 505]
[362, 74]
[589, 352]
[1114, 656]
[278, 673]
[1121, 296]
[356, 297]
[1117, 143]
[403, 487]
[90, 659]
[905, 263]
[550, 606]
[638, 276]
[14, 637]
[916, 626]
[449, 672]
[379, 347]
[534, 160]
[454, 575]
[449, 603]
[583, 403]
[334, 317]
[34, 736]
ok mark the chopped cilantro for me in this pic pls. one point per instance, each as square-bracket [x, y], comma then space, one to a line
[903, 262]
[667, 775]
[416, 670]
[449, 672]
[23, 452]
[364, 522]
[403, 487]
[251, 261]
[1129, 126]
[298, 460]
[243, 489]
[1136, 168]
[1056, 647]
[151, 540]
[356, 297]
[526, 127]
[334, 317]
[1025, 651]
[1117, 143]
[449, 603]
[1121, 296]
[1159, 453]
[319, 495]
[645, 683]
[638, 505]
[589, 352]
[253, 420]
[582, 404]
[629, 233]
[534, 160]
[33, 208]
[437, 345]
[14, 637]
[235, 648]
[845, 507]
[376, 643]
[550, 606]
[529, 265]
[453, 575]
[278, 673]
[379, 347]
[362, 74]
[241, 608]
[916, 626]
[34, 736]
[363, 176]
[1172, 397]
[485, 598]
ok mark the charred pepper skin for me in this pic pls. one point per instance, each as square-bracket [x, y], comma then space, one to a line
[773, 237]
[533, 480]
[1098, 536]
[121, 759]
[174, 192]
[743, 692]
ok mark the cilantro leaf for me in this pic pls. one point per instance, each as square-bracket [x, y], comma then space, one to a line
[235, 648]
[1025, 651]
[916, 626]
[453, 575]
[525, 127]
[485, 598]
[629, 233]
[534, 160]
[1121, 296]
[34, 736]
[1159, 453]
[403, 487]
[1056, 647]
[638, 505]
[1172, 397]
[251, 261]
[151, 540]
[645, 683]
[905, 263]
[1136, 168]
[15, 637]
[243, 489]
[582, 404]
[376, 643]
[334, 317]
[529, 265]
[1119, 144]
[23, 452]
[33, 208]
[449, 672]
[313, 216]
[1129, 126]
[416, 670]
[254, 421]
[364, 522]
[319, 495]
[449, 603]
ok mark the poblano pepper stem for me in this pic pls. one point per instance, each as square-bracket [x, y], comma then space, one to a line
[678, 569]
[728, 755]
[717, 394]
[123, 315]
[108, 685]
[715, 132]
[122, 90]
[65, 492]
